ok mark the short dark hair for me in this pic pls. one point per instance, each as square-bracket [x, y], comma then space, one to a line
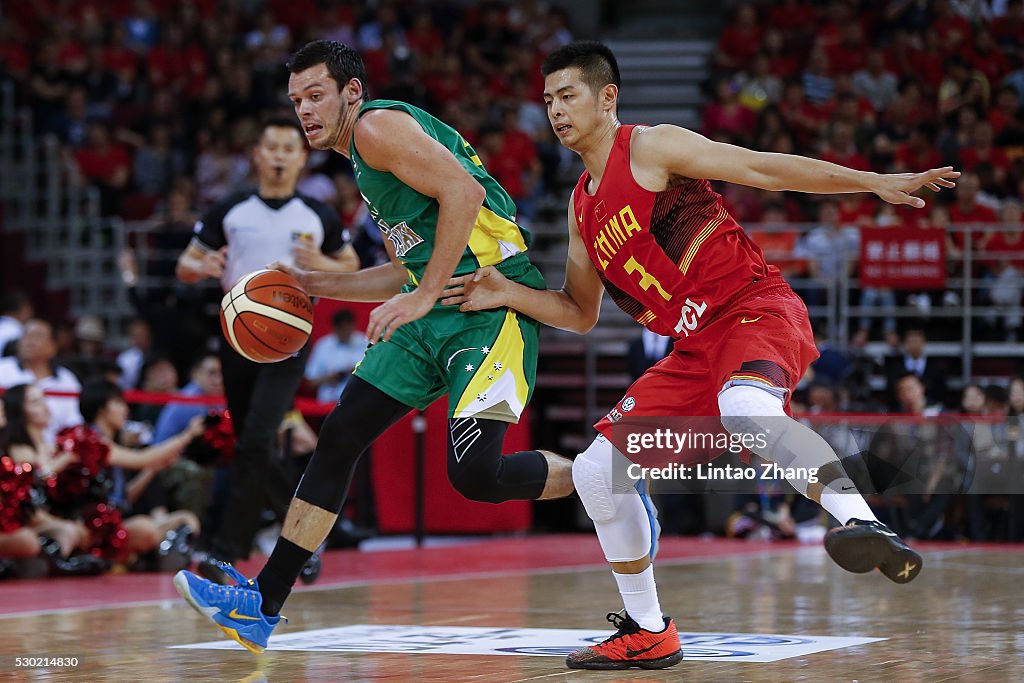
[16, 431]
[343, 63]
[96, 393]
[199, 360]
[12, 300]
[596, 62]
[342, 316]
[996, 394]
[281, 121]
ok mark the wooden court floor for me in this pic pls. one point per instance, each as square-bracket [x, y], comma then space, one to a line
[960, 621]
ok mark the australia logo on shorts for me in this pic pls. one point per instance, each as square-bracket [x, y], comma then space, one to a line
[628, 404]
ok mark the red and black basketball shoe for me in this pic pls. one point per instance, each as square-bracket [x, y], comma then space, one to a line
[861, 546]
[631, 646]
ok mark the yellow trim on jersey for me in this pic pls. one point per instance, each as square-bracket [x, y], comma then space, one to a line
[489, 231]
[691, 251]
[412, 278]
[753, 377]
[646, 317]
[472, 157]
[499, 389]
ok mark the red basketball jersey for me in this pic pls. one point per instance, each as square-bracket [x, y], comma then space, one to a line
[672, 259]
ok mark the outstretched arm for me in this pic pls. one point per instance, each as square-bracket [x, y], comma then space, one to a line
[672, 151]
[575, 307]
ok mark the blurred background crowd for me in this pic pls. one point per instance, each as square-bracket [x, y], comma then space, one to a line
[156, 105]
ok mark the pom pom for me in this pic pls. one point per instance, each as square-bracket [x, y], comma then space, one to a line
[84, 480]
[109, 538]
[217, 443]
[17, 503]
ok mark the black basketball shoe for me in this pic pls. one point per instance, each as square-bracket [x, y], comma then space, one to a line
[862, 546]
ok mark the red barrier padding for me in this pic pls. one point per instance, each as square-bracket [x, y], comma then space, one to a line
[445, 510]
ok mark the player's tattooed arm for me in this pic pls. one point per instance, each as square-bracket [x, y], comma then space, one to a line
[575, 307]
[661, 152]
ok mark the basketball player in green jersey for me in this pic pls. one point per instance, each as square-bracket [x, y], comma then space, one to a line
[443, 214]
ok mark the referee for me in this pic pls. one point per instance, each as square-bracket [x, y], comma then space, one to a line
[242, 233]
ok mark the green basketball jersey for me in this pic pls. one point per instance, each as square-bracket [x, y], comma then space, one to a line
[409, 219]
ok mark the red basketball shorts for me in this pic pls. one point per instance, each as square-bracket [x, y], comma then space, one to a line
[762, 339]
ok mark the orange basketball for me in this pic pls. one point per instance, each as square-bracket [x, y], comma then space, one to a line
[266, 316]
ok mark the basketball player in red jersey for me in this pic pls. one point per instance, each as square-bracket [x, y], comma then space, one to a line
[645, 225]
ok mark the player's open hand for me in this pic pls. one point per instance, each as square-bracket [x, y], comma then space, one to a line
[400, 309]
[479, 291]
[898, 188]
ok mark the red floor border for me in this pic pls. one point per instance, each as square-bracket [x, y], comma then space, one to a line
[351, 567]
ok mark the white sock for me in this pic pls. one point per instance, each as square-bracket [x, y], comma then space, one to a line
[845, 505]
[750, 410]
[640, 597]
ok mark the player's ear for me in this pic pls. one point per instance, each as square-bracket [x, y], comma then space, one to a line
[609, 96]
[353, 91]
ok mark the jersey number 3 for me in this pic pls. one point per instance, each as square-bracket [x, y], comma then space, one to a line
[646, 279]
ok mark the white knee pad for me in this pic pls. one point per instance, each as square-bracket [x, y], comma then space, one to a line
[743, 409]
[626, 523]
[787, 443]
[592, 475]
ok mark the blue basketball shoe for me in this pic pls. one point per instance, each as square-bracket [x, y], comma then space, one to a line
[234, 609]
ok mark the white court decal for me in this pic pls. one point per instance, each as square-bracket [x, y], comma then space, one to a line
[455, 640]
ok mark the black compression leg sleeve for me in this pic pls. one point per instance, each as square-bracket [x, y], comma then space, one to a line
[363, 413]
[478, 470]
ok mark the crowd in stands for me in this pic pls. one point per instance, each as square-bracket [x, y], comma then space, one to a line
[156, 104]
[89, 481]
[896, 86]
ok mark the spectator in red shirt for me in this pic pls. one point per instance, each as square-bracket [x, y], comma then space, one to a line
[725, 118]
[1004, 249]
[950, 142]
[856, 209]
[849, 107]
[918, 151]
[1004, 109]
[966, 210]
[953, 30]
[981, 150]
[1009, 28]
[740, 40]
[987, 57]
[509, 155]
[842, 150]
[14, 59]
[805, 120]
[927, 61]
[446, 85]
[1004, 246]
[847, 55]
[781, 61]
[793, 17]
[104, 163]
[425, 41]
